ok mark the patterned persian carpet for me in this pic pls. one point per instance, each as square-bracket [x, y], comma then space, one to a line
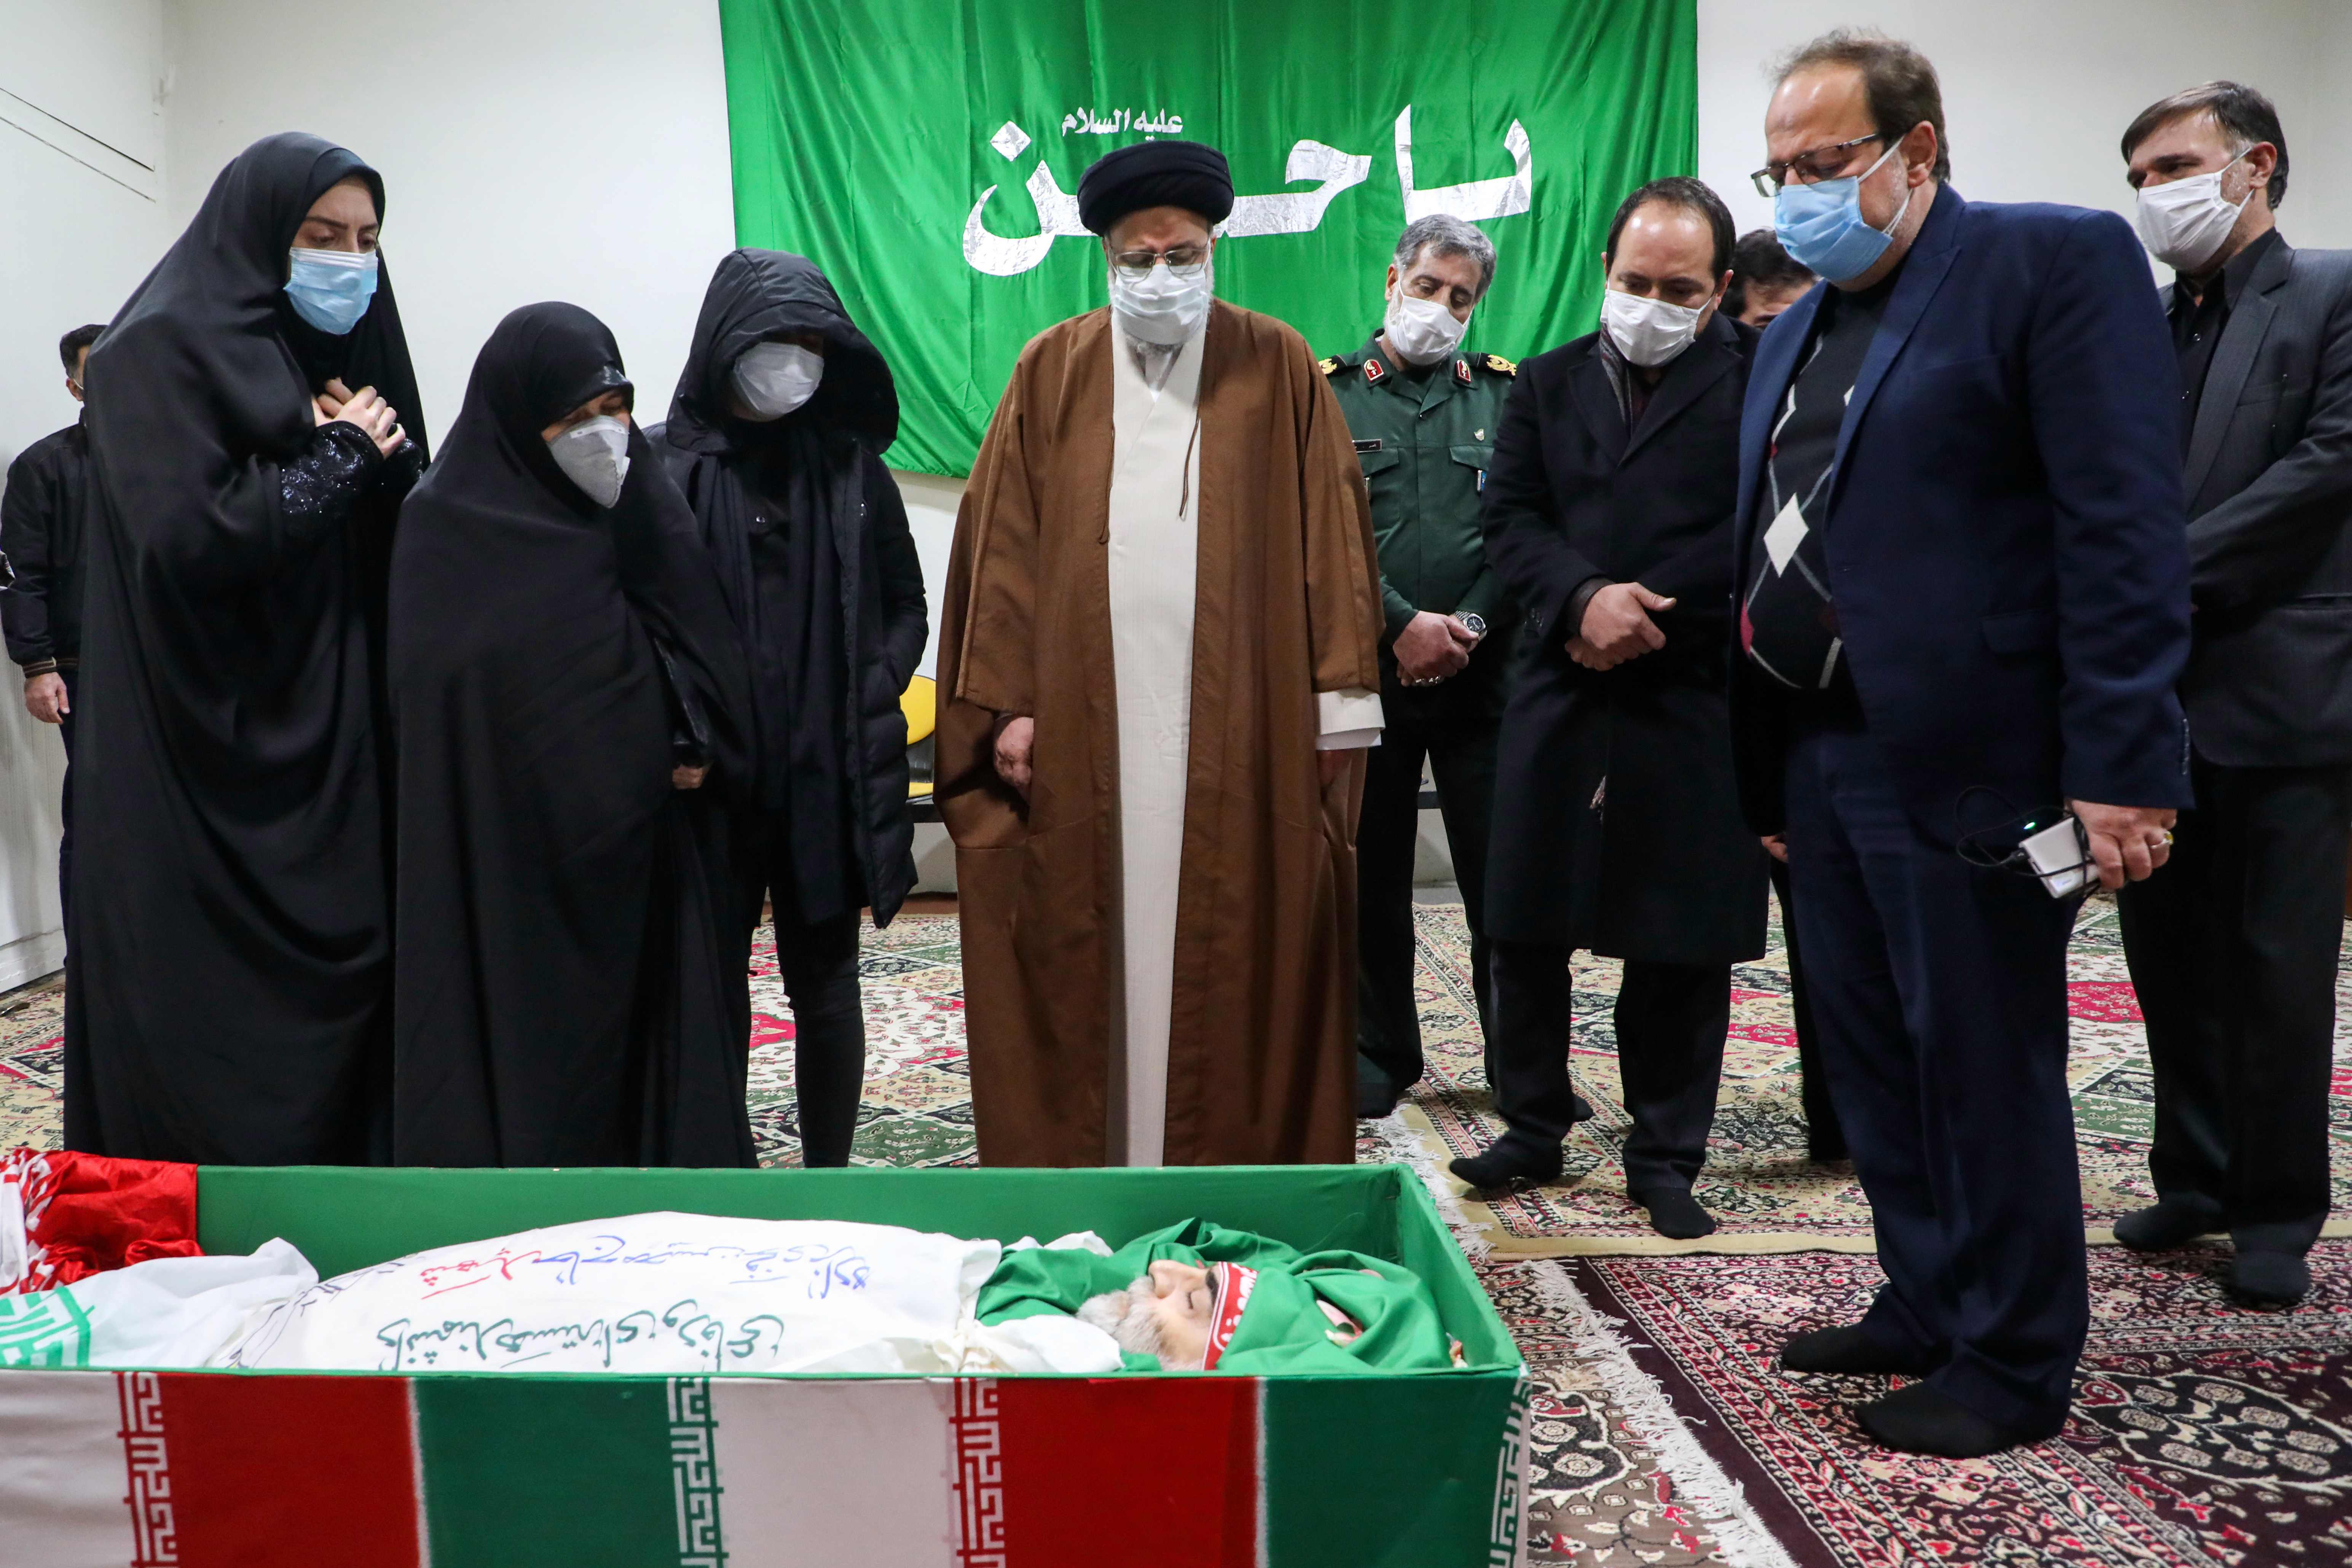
[2201, 1434]
[1758, 1181]
[1663, 1434]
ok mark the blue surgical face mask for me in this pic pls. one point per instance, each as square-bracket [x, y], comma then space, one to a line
[330, 289]
[1821, 225]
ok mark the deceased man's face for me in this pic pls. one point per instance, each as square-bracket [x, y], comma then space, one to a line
[1166, 1314]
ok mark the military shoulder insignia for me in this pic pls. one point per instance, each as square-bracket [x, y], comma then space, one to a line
[1330, 367]
[1501, 366]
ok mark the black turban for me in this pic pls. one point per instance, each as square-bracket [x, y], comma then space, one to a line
[1185, 174]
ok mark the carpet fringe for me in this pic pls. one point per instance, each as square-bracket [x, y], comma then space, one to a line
[1699, 1483]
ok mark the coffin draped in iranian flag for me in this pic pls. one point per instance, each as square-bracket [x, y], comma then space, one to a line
[210, 1469]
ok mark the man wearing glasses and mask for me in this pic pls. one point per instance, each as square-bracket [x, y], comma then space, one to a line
[1964, 604]
[1159, 667]
[1423, 412]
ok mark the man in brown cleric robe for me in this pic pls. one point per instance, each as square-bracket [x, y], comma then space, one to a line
[1158, 657]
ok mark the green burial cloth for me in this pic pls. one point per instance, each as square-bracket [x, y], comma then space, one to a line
[1278, 1310]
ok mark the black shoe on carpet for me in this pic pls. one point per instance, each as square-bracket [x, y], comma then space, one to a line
[1674, 1213]
[1508, 1167]
[1376, 1100]
[1851, 1350]
[2166, 1225]
[2269, 1278]
[1582, 1110]
[1920, 1418]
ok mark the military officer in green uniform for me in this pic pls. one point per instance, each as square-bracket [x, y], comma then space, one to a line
[1422, 412]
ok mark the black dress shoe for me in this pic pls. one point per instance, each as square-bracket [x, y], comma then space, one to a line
[1376, 1099]
[2269, 1278]
[1854, 1350]
[1674, 1213]
[1509, 1166]
[1920, 1418]
[1581, 1111]
[2167, 1225]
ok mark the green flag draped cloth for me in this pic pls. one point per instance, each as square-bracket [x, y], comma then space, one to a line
[927, 156]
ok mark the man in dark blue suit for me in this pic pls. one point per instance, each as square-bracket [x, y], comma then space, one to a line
[1963, 608]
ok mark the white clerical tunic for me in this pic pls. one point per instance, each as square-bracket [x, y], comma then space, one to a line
[1155, 536]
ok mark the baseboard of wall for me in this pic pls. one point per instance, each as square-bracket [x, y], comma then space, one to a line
[29, 957]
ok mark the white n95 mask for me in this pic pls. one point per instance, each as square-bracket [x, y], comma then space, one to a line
[1162, 307]
[2185, 223]
[1648, 332]
[771, 379]
[595, 456]
[1422, 331]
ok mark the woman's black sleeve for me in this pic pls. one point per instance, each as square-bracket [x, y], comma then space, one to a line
[320, 485]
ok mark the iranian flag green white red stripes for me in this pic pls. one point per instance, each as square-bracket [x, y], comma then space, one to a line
[211, 1470]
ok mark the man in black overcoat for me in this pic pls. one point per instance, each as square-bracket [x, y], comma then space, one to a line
[1617, 821]
[2234, 950]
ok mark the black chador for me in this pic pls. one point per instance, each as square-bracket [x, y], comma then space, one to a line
[231, 943]
[566, 986]
[808, 534]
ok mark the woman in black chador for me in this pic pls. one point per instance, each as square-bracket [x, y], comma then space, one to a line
[775, 435]
[565, 688]
[230, 939]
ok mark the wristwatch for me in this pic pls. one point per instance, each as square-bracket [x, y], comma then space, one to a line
[1473, 623]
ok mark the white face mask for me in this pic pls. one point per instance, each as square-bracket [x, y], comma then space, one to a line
[1421, 331]
[595, 456]
[1163, 306]
[771, 379]
[1648, 332]
[2186, 223]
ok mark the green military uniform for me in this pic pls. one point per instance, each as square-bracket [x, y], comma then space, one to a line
[1425, 436]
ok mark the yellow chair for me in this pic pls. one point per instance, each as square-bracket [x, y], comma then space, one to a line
[920, 705]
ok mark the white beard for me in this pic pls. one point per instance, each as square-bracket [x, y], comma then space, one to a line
[1126, 1316]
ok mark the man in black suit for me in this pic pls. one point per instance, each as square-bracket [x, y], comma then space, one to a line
[2234, 951]
[1617, 822]
[1964, 607]
[41, 507]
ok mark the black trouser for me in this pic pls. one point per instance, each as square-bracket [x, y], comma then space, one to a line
[72, 678]
[818, 962]
[1458, 739]
[1823, 1139]
[1940, 990]
[1671, 1021]
[2234, 948]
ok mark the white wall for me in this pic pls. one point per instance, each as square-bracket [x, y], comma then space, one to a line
[81, 215]
[2318, 209]
[2037, 92]
[531, 150]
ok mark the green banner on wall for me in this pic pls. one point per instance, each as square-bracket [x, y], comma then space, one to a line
[927, 152]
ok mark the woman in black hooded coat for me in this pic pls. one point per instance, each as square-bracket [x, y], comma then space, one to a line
[230, 937]
[809, 536]
[567, 984]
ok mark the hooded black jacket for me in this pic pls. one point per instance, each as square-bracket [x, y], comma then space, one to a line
[820, 467]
